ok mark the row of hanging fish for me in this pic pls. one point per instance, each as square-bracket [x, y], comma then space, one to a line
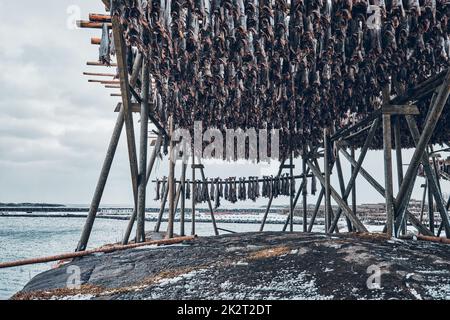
[234, 189]
[298, 65]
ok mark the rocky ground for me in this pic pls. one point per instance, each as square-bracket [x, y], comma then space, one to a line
[270, 265]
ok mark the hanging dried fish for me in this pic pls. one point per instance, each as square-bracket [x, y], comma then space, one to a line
[104, 51]
[188, 189]
[158, 194]
[298, 66]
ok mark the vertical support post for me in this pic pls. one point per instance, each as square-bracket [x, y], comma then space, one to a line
[387, 146]
[291, 191]
[433, 185]
[343, 192]
[316, 209]
[263, 223]
[352, 153]
[142, 181]
[194, 187]
[82, 244]
[161, 210]
[327, 180]
[121, 54]
[430, 124]
[151, 163]
[431, 210]
[305, 191]
[422, 205]
[211, 210]
[183, 199]
[172, 159]
[399, 160]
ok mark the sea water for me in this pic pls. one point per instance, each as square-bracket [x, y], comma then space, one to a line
[24, 238]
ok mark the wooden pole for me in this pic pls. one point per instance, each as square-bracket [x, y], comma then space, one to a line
[342, 187]
[161, 210]
[79, 254]
[291, 191]
[346, 209]
[422, 206]
[399, 160]
[429, 126]
[387, 146]
[194, 187]
[211, 210]
[82, 244]
[379, 188]
[151, 164]
[327, 186]
[431, 211]
[305, 191]
[172, 159]
[297, 197]
[183, 199]
[316, 209]
[433, 185]
[263, 223]
[142, 186]
[119, 44]
[352, 152]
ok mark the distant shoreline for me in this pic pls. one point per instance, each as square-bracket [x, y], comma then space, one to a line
[31, 205]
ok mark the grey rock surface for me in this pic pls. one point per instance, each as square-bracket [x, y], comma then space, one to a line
[269, 265]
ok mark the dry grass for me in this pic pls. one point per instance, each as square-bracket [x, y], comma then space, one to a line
[97, 291]
[269, 253]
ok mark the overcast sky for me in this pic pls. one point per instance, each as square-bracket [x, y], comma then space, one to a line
[55, 127]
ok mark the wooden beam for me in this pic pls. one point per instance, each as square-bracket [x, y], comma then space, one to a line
[98, 74]
[408, 109]
[379, 188]
[119, 43]
[346, 209]
[91, 25]
[434, 114]
[99, 64]
[98, 17]
[135, 107]
[96, 41]
[106, 168]
[104, 81]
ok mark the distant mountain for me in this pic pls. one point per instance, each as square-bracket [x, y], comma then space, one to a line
[31, 205]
